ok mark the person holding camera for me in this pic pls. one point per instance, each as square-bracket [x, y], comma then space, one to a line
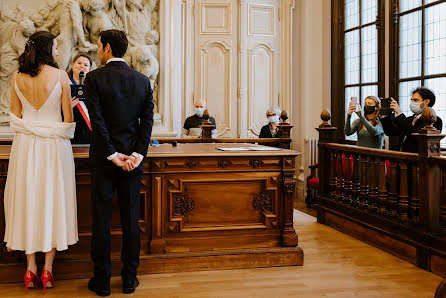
[395, 122]
[368, 127]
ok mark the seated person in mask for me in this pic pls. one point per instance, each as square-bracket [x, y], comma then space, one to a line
[191, 128]
[369, 130]
[271, 130]
[400, 125]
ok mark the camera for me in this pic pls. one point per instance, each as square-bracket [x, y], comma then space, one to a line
[385, 107]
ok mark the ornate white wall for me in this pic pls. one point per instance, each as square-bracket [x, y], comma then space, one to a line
[234, 53]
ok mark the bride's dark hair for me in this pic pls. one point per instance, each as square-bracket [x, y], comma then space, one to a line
[38, 51]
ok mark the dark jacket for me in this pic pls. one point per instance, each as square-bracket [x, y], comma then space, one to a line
[82, 134]
[402, 126]
[120, 103]
[265, 132]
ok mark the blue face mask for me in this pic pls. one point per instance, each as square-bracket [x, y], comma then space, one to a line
[416, 108]
[199, 112]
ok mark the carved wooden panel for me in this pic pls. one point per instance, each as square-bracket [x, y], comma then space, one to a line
[220, 164]
[203, 202]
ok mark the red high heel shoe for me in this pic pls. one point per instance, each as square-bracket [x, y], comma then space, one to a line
[31, 280]
[47, 280]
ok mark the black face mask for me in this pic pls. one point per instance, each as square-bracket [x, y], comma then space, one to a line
[369, 109]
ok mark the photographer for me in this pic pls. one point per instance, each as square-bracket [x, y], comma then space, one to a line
[400, 125]
[368, 127]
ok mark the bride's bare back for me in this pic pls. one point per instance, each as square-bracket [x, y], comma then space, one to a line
[37, 89]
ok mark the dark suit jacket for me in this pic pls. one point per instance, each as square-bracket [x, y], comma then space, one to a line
[402, 126]
[265, 132]
[119, 101]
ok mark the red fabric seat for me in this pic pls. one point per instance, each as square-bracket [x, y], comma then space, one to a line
[314, 182]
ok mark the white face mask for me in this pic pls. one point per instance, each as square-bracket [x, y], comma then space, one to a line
[274, 119]
[199, 112]
[416, 108]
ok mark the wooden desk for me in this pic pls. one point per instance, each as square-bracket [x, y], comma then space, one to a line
[201, 209]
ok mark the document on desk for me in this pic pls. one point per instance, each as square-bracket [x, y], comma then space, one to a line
[261, 148]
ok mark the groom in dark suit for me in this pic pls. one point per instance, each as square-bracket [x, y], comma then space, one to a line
[119, 101]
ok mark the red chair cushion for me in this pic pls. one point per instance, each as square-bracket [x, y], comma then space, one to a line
[314, 182]
[344, 157]
[387, 169]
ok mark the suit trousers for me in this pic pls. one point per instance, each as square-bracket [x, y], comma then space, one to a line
[106, 178]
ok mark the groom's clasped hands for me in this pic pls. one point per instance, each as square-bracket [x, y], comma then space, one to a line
[127, 163]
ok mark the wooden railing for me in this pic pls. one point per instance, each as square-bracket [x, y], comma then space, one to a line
[391, 199]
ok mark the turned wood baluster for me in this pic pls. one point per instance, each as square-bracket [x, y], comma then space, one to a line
[393, 188]
[364, 186]
[347, 180]
[332, 179]
[356, 186]
[382, 191]
[414, 202]
[339, 179]
[443, 202]
[404, 195]
[373, 189]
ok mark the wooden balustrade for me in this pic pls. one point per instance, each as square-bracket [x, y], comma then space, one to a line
[391, 199]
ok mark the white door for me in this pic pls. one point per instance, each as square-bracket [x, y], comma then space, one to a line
[216, 37]
[259, 62]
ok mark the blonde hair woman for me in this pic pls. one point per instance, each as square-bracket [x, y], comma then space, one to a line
[369, 129]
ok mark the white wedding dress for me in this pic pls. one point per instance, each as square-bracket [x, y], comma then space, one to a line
[40, 192]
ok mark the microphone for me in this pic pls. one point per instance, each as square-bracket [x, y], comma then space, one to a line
[81, 77]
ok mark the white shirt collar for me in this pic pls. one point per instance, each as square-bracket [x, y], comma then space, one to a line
[115, 59]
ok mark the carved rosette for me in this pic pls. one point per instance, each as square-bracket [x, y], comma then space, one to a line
[182, 205]
[264, 201]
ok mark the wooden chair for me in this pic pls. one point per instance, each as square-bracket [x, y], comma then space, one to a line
[312, 185]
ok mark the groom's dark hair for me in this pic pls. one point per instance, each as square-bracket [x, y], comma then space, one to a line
[117, 40]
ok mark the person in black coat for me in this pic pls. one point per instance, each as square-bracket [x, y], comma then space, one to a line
[271, 130]
[82, 134]
[120, 103]
[400, 125]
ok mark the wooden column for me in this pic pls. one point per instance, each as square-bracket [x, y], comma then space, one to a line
[347, 180]
[429, 179]
[403, 203]
[207, 128]
[289, 236]
[393, 188]
[285, 131]
[356, 185]
[326, 133]
[363, 204]
[373, 188]
[414, 200]
[382, 191]
[332, 179]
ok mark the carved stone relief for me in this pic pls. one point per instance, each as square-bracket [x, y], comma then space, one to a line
[76, 25]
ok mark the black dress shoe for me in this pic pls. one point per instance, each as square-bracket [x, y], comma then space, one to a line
[99, 290]
[129, 287]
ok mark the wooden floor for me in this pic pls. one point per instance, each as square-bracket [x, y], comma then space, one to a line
[335, 265]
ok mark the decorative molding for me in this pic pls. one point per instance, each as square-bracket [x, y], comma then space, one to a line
[252, 72]
[254, 9]
[205, 17]
[226, 50]
[182, 205]
[264, 201]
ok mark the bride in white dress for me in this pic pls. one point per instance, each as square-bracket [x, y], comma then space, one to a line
[40, 192]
